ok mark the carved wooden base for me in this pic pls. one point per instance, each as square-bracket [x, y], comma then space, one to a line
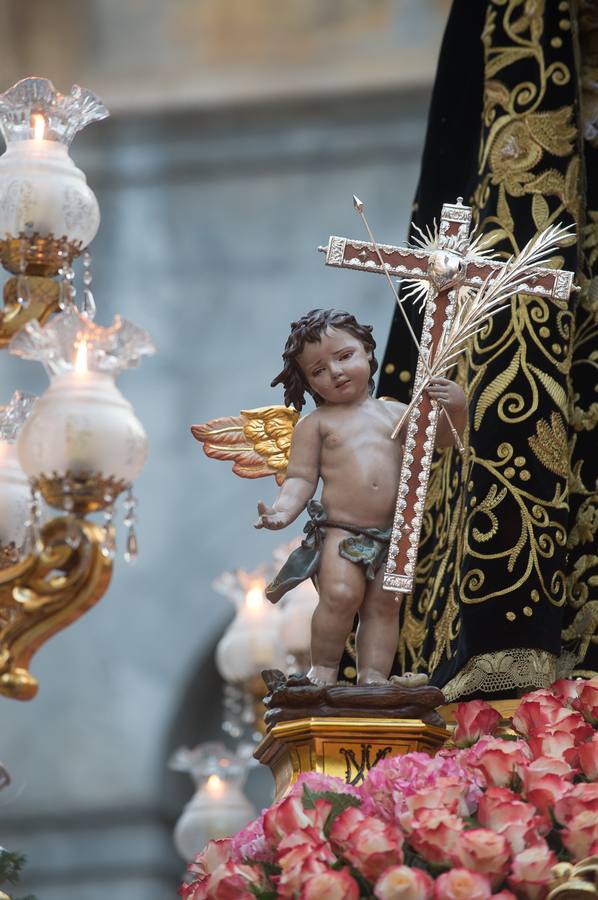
[347, 747]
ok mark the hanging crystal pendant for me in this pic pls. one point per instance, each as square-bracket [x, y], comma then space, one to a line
[72, 536]
[23, 295]
[31, 542]
[108, 548]
[88, 305]
[130, 505]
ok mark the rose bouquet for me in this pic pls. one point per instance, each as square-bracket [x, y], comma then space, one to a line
[486, 817]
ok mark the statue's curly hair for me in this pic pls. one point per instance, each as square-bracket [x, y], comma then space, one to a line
[308, 330]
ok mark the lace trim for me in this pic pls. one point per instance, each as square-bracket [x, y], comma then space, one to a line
[502, 671]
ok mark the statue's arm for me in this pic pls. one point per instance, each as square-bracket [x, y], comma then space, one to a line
[302, 476]
[453, 400]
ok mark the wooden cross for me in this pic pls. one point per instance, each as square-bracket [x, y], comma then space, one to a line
[446, 268]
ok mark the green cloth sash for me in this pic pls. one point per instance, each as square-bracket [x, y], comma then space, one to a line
[366, 545]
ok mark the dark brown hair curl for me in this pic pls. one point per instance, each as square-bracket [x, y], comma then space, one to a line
[308, 330]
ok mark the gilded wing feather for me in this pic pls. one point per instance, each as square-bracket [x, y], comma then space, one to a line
[258, 441]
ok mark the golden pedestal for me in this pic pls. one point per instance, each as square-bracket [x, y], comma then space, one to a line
[342, 746]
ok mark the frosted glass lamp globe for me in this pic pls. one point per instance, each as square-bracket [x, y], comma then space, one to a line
[251, 643]
[15, 497]
[41, 190]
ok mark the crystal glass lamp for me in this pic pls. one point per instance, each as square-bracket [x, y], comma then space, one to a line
[43, 195]
[83, 444]
[15, 494]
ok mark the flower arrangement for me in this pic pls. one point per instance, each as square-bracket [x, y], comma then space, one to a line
[489, 816]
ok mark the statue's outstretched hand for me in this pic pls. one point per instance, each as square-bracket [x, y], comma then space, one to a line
[270, 518]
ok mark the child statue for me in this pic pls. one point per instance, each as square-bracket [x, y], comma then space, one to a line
[346, 442]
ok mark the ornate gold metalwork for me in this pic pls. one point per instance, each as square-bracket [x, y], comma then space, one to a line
[45, 592]
[345, 747]
[42, 255]
[575, 882]
[80, 494]
[44, 294]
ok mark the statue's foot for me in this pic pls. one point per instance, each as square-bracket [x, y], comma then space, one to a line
[371, 676]
[410, 679]
[322, 675]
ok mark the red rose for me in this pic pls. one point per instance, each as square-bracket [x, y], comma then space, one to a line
[588, 759]
[482, 850]
[435, 834]
[403, 883]
[550, 765]
[505, 813]
[330, 886]
[461, 884]
[531, 871]
[473, 720]
[587, 701]
[368, 843]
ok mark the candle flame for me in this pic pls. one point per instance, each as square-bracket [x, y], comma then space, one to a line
[81, 357]
[39, 127]
[254, 599]
[215, 785]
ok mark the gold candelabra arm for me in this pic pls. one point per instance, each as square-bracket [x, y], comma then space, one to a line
[42, 300]
[45, 592]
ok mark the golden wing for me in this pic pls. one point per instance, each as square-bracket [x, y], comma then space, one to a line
[258, 440]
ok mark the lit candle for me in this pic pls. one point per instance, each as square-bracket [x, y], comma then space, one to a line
[215, 787]
[39, 127]
[256, 605]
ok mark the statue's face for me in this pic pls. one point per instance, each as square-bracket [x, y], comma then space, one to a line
[445, 268]
[337, 367]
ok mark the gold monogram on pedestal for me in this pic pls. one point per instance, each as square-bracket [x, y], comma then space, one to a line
[446, 262]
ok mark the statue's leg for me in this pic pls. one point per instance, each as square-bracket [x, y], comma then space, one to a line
[341, 588]
[378, 632]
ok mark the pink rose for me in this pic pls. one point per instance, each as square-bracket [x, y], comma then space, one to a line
[550, 765]
[580, 798]
[435, 834]
[535, 712]
[461, 884]
[588, 759]
[331, 886]
[299, 860]
[543, 789]
[497, 759]
[587, 701]
[215, 854]
[448, 793]
[566, 690]
[289, 816]
[473, 720]
[506, 814]
[581, 833]
[368, 843]
[531, 871]
[482, 850]
[558, 745]
[403, 883]
[232, 881]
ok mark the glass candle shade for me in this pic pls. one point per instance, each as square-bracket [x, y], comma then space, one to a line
[82, 429]
[42, 192]
[15, 497]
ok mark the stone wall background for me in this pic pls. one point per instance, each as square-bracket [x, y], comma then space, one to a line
[241, 131]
